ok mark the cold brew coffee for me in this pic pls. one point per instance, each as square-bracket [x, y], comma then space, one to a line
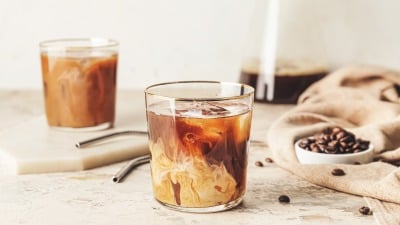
[79, 87]
[199, 153]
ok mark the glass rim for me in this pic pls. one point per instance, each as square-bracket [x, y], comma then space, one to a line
[243, 87]
[72, 43]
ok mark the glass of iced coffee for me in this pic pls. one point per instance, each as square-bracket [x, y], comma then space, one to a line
[199, 140]
[79, 82]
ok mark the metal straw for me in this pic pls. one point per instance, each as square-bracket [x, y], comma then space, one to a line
[125, 170]
[85, 143]
[129, 166]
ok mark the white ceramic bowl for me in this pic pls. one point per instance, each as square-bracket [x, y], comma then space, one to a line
[309, 157]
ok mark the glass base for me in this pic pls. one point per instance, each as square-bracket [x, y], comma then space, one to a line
[211, 209]
[101, 126]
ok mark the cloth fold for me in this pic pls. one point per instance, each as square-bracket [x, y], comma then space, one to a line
[385, 213]
[362, 99]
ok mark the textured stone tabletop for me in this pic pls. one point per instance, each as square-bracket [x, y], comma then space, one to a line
[90, 197]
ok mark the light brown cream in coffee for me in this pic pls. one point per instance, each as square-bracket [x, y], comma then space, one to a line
[79, 91]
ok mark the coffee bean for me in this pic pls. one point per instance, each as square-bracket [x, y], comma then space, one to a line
[343, 144]
[330, 150]
[327, 131]
[356, 163]
[269, 160]
[363, 147]
[315, 149]
[336, 130]
[259, 164]
[338, 172]
[313, 145]
[334, 141]
[352, 136]
[284, 199]
[302, 145]
[340, 135]
[365, 210]
[362, 142]
[305, 141]
[346, 139]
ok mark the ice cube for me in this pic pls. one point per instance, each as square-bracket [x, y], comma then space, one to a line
[213, 109]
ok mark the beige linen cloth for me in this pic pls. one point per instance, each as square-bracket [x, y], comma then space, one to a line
[366, 101]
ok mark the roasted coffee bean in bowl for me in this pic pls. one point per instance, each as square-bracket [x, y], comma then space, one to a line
[334, 145]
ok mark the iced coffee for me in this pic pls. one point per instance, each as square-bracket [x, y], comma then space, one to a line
[199, 147]
[79, 81]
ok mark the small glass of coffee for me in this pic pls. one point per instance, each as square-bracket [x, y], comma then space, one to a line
[79, 82]
[199, 140]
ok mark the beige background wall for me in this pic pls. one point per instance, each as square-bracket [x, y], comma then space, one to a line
[192, 39]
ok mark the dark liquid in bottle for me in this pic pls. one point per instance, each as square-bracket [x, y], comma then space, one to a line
[289, 82]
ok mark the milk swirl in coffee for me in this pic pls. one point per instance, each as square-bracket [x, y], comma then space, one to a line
[79, 89]
[199, 152]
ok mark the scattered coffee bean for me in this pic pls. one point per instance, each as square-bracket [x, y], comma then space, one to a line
[259, 164]
[356, 163]
[338, 172]
[269, 160]
[334, 141]
[365, 210]
[284, 199]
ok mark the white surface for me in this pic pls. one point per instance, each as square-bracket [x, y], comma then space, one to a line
[24, 133]
[176, 39]
[32, 147]
[309, 157]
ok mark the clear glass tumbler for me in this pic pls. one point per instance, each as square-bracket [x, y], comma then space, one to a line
[79, 82]
[199, 140]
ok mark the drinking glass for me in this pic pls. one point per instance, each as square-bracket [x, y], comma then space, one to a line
[79, 82]
[199, 140]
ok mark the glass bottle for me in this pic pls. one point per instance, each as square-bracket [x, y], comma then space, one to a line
[283, 54]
